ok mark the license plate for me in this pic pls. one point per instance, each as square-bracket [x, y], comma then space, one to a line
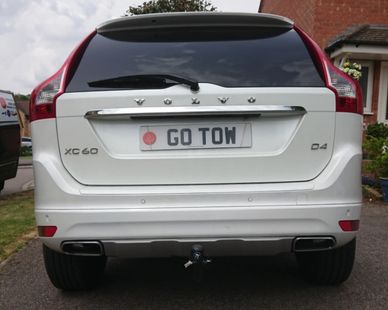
[195, 136]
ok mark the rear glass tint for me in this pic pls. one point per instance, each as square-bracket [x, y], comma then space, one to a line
[258, 57]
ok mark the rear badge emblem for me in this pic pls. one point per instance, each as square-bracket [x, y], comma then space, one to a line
[223, 99]
[195, 101]
[139, 101]
[149, 138]
[167, 101]
[251, 99]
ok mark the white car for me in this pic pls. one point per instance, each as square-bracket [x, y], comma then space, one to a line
[26, 142]
[197, 135]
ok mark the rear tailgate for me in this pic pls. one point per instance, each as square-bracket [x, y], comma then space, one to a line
[262, 113]
[281, 147]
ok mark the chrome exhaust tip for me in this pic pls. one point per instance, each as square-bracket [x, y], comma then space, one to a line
[309, 244]
[83, 248]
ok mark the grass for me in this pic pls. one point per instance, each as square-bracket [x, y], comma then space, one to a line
[26, 157]
[17, 222]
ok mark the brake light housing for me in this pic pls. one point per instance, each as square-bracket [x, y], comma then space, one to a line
[347, 91]
[44, 96]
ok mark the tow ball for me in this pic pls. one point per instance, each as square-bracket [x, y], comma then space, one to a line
[197, 257]
[197, 261]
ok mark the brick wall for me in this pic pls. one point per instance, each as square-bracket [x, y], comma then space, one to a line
[293, 9]
[325, 19]
[337, 15]
[25, 128]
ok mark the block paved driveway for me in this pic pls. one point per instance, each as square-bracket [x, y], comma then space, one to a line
[234, 283]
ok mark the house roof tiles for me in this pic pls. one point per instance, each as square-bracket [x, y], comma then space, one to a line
[360, 35]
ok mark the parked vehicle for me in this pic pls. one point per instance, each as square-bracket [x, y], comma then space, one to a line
[26, 142]
[9, 137]
[210, 134]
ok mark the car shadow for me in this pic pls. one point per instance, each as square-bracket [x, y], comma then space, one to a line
[232, 282]
[226, 272]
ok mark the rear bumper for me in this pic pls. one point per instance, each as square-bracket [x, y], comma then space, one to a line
[250, 219]
[223, 230]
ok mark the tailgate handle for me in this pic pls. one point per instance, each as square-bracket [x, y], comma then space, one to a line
[146, 112]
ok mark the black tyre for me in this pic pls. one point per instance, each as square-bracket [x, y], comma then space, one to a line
[327, 267]
[70, 272]
[1, 185]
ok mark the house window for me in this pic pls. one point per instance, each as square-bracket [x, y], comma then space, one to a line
[366, 82]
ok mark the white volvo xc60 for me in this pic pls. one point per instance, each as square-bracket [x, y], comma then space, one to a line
[206, 133]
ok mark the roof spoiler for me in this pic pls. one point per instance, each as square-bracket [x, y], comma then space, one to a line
[194, 19]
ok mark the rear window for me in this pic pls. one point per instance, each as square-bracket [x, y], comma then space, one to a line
[259, 57]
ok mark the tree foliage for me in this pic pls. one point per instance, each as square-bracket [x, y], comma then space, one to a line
[163, 6]
[21, 97]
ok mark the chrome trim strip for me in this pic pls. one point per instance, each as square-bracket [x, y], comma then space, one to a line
[258, 110]
[9, 123]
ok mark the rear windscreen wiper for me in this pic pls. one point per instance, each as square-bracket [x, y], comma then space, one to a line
[145, 81]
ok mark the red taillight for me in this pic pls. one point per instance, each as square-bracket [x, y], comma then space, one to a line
[349, 225]
[47, 231]
[44, 96]
[347, 91]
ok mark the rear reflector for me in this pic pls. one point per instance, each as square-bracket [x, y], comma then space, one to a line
[47, 231]
[349, 225]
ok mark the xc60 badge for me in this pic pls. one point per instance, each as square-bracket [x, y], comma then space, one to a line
[84, 151]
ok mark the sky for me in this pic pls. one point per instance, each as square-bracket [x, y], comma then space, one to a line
[36, 36]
